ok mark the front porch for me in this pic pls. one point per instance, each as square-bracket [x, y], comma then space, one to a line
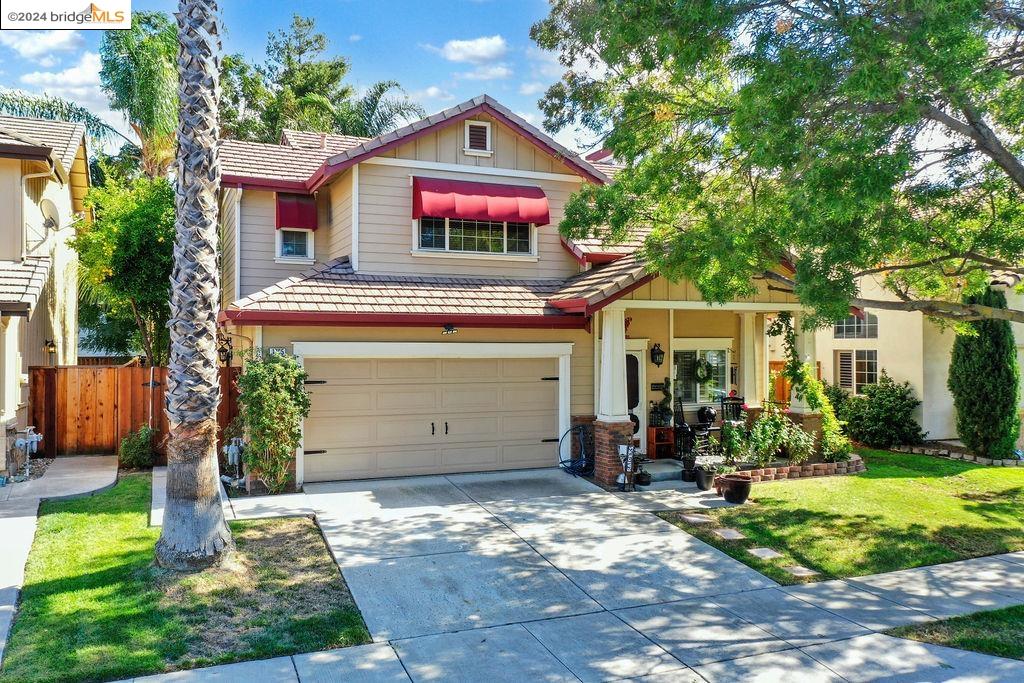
[729, 341]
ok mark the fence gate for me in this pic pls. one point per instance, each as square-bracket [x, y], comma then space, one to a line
[83, 410]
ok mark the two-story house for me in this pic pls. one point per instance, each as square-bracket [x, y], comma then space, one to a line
[44, 176]
[444, 323]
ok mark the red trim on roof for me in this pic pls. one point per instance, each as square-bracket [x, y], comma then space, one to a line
[598, 155]
[295, 211]
[328, 170]
[446, 198]
[251, 183]
[595, 257]
[400, 319]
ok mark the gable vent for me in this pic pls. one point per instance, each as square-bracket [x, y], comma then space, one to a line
[476, 137]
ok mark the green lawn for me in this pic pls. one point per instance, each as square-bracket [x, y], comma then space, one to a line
[1000, 632]
[904, 511]
[94, 607]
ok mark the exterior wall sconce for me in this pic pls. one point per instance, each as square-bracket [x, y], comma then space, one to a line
[657, 355]
[449, 329]
[225, 350]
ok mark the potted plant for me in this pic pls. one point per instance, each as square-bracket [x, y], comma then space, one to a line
[732, 485]
[705, 469]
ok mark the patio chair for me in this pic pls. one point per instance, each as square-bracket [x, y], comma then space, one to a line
[732, 409]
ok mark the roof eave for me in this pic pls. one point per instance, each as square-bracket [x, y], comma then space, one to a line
[267, 184]
[317, 318]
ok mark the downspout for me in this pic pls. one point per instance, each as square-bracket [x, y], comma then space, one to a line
[51, 173]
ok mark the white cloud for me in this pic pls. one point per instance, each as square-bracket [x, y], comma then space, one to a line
[487, 73]
[432, 92]
[476, 51]
[80, 84]
[534, 119]
[39, 46]
[354, 38]
[532, 88]
[546, 64]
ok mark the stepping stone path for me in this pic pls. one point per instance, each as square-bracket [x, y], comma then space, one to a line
[696, 519]
[764, 553]
[800, 572]
[729, 534]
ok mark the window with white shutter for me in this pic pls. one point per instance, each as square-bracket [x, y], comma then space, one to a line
[478, 138]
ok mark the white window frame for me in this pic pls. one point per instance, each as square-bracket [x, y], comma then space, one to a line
[861, 328]
[853, 386]
[305, 260]
[700, 345]
[417, 250]
[490, 139]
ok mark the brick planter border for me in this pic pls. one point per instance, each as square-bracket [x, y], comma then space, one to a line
[956, 454]
[819, 469]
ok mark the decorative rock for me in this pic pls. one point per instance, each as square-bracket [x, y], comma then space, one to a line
[800, 572]
[779, 476]
[997, 463]
[767, 470]
[956, 455]
[696, 519]
[830, 468]
[767, 477]
[968, 457]
[764, 553]
[983, 461]
[729, 534]
[794, 473]
[754, 478]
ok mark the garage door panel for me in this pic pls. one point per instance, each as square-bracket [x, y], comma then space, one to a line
[540, 425]
[329, 401]
[407, 400]
[471, 397]
[527, 455]
[319, 369]
[477, 456]
[476, 428]
[516, 397]
[528, 368]
[397, 461]
[338, 432]
[479, 369]
[407, 369]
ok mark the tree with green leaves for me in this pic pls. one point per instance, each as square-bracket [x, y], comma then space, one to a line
[125, 258]
[139, 76]
[300, 87]
[848, 138]
[985, 382]
[18, 103]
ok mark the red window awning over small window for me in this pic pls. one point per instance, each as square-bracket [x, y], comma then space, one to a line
[296, 211]
[444, 198]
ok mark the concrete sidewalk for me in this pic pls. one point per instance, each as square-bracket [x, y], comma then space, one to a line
[67, 477]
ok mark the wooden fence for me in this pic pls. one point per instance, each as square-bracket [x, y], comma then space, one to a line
[83, 410]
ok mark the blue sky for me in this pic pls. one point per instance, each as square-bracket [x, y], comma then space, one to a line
[442, 52]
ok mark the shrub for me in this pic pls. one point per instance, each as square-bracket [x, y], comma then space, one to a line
[884, 416]
[984, 379]
[137, 449]
[272, 403]
[772, 432]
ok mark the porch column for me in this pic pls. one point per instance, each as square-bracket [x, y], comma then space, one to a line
[748, 359]
[807, 352]
[612, 427]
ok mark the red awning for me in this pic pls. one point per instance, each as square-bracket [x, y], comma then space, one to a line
[296, 211]
[479, 201]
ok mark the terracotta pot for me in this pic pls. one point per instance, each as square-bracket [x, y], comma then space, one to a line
[735, 487]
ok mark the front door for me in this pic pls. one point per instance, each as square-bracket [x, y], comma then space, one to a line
[635, 381]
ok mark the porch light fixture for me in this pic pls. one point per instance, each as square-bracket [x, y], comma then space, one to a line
[225, 350]
[50, 346]
[657, 355]
[449, 329]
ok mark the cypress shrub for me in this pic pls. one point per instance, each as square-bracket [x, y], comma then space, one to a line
[984, 378]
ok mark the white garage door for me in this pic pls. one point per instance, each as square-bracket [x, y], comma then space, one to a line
[395, 417]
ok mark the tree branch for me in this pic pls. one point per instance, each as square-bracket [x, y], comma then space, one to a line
[943, 309]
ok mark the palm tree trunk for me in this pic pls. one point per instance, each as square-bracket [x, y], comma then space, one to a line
[194, 533]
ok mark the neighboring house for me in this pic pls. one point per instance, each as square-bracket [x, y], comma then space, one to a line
[444, 323]
[44, 176]
[909, 347]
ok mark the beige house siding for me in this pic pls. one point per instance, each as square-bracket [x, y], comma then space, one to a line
[228, 249]
[10, 216]
[10, 367]
[581, 368]
[338, 195]
[258, 232]
[938, 414]
[386, 236]
[660, 289]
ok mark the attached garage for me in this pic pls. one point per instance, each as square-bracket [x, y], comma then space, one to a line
[387, 410]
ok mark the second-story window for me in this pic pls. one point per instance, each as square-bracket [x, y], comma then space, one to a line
[855, 327]
[294, 244]
[472, 236]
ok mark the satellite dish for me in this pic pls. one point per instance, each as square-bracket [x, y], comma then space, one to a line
[51, 217]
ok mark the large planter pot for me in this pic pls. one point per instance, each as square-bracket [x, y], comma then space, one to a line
[735, 487]
[689, 469]
[705, 479]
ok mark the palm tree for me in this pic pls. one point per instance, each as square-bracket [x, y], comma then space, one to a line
[194, 533]
[139, 77]
[368, 116]
[19, 103]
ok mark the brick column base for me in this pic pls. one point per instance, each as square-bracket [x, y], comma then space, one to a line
[608, 436]
[810, 423]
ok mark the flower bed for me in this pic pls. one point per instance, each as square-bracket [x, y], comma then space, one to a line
[807, 470]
